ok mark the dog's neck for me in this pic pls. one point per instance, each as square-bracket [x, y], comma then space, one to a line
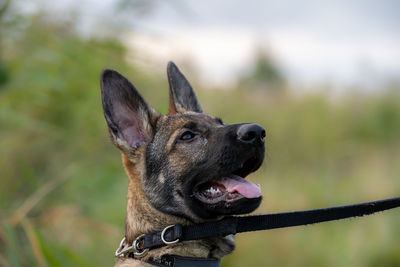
[143, 218]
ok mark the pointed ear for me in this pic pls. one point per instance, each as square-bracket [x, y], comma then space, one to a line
[181, 95]
[131, 121]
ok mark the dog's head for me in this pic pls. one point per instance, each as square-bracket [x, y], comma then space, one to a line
[194, 164]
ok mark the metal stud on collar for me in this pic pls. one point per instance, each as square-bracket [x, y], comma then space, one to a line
[163, 236]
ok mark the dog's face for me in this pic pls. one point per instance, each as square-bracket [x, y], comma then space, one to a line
[194, 163]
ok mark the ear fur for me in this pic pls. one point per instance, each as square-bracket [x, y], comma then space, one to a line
[131, 121]
[181, 95]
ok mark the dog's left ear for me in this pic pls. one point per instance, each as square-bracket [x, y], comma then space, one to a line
[130, 119]
[181, 95]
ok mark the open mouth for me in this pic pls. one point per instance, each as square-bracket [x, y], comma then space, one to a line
[230, 187]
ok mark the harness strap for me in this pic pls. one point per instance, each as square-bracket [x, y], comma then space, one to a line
[238, 224]
[178, 261]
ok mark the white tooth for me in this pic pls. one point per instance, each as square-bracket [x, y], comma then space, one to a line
[213, 191]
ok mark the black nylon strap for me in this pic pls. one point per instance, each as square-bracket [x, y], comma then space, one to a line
[288, 219]
[236, 224]
[178, 261]
[223, 227]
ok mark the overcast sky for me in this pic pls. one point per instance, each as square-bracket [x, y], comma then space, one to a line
[341, 41]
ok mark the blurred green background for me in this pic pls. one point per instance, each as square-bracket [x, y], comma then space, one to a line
[63, 188]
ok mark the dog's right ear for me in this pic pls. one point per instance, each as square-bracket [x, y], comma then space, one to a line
[130, 119]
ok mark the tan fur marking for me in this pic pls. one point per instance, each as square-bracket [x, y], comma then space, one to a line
[171, 108]
[171, 140]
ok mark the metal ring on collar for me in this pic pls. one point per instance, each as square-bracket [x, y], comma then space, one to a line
[163, 238]
[138, 251]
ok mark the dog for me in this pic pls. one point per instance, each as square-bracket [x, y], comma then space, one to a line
[185, 167]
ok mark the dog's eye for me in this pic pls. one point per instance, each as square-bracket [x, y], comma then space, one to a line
[187, 136]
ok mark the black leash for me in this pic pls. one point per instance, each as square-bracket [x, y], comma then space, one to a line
[239, 224]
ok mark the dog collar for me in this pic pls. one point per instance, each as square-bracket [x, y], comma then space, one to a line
[238, 224]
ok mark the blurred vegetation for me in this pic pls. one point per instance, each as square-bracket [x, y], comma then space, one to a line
[265, 75]
[63, 188]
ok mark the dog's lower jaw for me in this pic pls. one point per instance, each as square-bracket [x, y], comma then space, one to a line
[142, 218]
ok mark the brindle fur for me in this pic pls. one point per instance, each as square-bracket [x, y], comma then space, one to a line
[163, 170]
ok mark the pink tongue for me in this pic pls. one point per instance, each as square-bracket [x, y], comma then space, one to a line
[236, 183]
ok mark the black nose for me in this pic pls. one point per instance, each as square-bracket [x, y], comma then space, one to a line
[251, 133]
